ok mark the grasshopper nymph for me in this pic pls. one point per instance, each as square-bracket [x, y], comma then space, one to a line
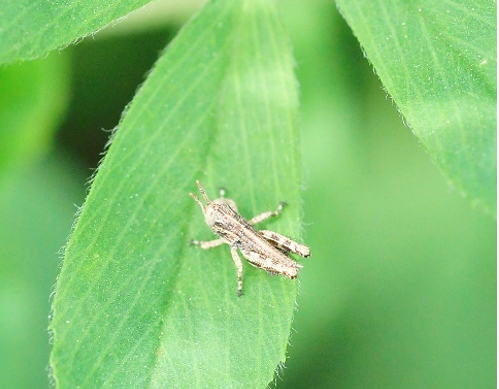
[263, 249]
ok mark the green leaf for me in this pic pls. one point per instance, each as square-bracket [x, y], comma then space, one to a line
[30, 28]
[438, 62]
[136, 305]
[34, 96]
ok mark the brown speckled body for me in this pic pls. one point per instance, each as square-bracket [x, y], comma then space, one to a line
[263, 249]
[237, 232]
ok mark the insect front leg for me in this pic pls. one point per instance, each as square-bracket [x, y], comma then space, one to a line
[208, 244]
[284, 243]
[265, 215]
[239, 267]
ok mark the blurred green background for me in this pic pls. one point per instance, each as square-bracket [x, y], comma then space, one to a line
[400, 291]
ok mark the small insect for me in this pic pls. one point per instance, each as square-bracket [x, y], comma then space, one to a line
[263, 249]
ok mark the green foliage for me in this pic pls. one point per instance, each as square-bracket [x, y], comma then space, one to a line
[30, 28]
[401, 286]
[438, 61]
[36, 211]
[34, 96]
[218, 106]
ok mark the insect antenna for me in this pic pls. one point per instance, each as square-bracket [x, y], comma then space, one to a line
[201, 189]
[196, 199]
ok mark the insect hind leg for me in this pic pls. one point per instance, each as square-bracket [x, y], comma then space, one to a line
[239, 267]
[284, 243]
